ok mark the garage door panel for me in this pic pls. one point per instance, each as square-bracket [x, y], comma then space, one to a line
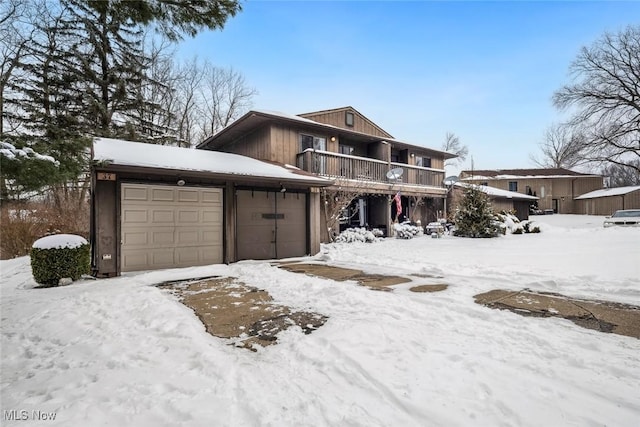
[188, 195]
[189, 215]
[135, 260]
[134, 193]
[214, 197]
[210, 216]
[166, 227]
[135, 216]
[292, 229]
[159, 216]
[162, 195]
[132, 238]
[163, 237]
[212, 236]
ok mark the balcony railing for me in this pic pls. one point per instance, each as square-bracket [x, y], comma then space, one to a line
[335, 165]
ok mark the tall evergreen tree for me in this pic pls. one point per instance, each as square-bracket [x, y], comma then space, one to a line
[475, 217]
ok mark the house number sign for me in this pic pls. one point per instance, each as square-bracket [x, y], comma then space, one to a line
[106, 176]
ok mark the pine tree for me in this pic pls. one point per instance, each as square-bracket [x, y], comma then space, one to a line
[475, 217]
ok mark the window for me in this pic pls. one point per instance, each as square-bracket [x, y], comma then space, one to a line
[348, 118]
[346, 149]
[424, 162]
[318, 162]
[486, 184]
[513, 185]
[308, 141]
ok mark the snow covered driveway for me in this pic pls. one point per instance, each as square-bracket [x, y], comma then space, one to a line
[120, 352]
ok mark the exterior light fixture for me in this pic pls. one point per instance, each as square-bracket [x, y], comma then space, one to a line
[181, 182]
[282, 189]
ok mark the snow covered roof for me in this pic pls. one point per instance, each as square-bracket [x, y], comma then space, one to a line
[522, 174]
[606, 192]
[255, 118]
[497, 192]
[127, 153]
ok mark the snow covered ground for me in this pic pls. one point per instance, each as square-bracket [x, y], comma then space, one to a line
[120, 352]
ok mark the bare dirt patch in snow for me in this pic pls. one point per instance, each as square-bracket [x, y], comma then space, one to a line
[429, 288]
[231, 309]
[604, 316]
[376, 282]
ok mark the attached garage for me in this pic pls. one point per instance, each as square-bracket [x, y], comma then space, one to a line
[163, 226]
[156, 207]
[271, 224]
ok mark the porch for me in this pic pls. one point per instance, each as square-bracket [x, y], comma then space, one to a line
[373, 171]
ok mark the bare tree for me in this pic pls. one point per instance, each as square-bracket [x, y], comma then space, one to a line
[226, 96]
[605, 94]
[188, 102]
[620, 176]
[335, 200]
[562, 147]
[453, 145]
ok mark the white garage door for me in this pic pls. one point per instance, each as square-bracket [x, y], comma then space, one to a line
[166, 227]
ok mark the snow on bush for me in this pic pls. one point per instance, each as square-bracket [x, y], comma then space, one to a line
[407, 231]
[60, 256]
[351, 235]
[508, 221]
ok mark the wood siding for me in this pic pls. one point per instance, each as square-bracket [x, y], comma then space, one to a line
[608, 205]
[564, 189]
[337, 118]
[257, 144]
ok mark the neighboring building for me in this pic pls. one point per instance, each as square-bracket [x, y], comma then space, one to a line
[501, 200]
[345, 146]
[608, 200]
[156, 206]
[555, 188]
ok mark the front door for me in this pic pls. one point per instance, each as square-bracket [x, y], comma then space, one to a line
[555, 205]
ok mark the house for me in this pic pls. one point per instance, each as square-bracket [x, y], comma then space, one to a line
[156, 206]
[608, 200]
[357, 154]
[556, 188]
[501, 200]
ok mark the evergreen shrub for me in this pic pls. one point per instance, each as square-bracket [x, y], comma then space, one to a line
[52, 261]
[475, 217]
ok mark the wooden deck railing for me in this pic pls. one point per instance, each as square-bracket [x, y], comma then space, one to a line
[335, 165]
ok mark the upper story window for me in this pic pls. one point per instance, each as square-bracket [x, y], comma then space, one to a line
[424, 162]
[310, 141]
[513, 186]
[346, 149]
[348, 118]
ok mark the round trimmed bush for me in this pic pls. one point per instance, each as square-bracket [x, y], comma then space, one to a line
[60, 256]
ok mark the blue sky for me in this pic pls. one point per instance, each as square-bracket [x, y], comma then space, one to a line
[485, 71]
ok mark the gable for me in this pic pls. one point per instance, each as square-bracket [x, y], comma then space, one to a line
[347, 118]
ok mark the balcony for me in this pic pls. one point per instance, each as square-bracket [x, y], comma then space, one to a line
[342, 166]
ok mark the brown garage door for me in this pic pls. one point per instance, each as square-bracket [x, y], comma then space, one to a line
[166, 227]
[271, 224]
